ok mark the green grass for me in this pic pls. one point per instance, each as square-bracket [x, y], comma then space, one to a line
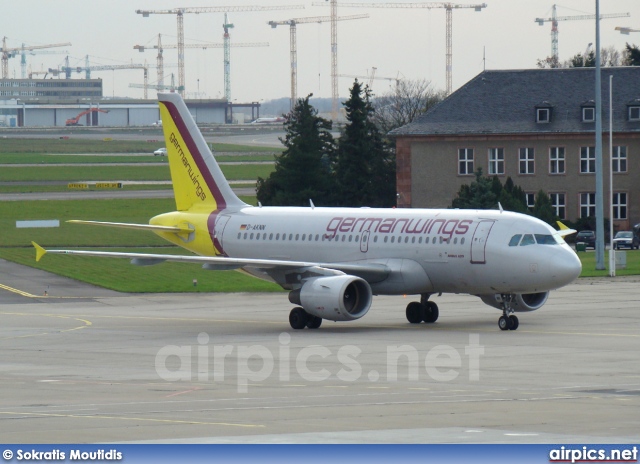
[20, 188]
[50, 158]
[117, 173]
[54, 144]
[589, 264]
[120, 275]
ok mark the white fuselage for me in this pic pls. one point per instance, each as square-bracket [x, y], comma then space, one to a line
[429, 251]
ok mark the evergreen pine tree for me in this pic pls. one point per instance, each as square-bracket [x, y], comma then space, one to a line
[302, 172]
[365, 168]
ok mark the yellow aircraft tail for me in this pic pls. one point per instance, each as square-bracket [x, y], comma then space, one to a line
[196, 176]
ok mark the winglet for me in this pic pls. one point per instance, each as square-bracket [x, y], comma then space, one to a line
[564, 230]
[40, 252]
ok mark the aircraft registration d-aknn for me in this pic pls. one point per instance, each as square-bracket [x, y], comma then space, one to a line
[333, 260]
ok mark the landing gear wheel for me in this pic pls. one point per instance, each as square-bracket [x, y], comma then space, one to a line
[504, 323]
[513, 322]
[314, 322]
[415, 312]
[298, 318]
[431, 312]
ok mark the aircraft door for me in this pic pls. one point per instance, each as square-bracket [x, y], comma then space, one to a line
[479, 242]
[364, 242]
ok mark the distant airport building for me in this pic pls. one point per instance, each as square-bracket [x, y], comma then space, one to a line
[55, 102]
[537, 127]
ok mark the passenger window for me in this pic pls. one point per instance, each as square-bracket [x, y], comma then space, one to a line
[239, 235]
[527, 240]
[393, 239]
[515, 240]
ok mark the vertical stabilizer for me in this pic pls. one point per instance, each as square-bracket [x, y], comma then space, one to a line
[196, 176]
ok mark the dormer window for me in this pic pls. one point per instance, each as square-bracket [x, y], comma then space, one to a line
[543, 112]
[588, 114]
[543, 115]
[634, 113]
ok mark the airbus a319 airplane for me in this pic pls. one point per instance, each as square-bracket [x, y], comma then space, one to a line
[333, 260]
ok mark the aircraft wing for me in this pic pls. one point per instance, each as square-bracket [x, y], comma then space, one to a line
[371, 272]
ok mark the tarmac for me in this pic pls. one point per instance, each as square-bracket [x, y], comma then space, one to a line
[88, 365]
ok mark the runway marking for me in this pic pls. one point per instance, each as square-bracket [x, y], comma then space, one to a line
[139, 419]
[31, 295]
[183, 392]
[85, 322]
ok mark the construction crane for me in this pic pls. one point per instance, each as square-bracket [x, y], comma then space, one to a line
[626, 30]
[293, 48]
[157, 86]
[204, 46]
[75, 121]
[11, 52]
[448, 7]
[371, 77]
[87, 69]
[180, 12]
[23, 59]
[554, 25]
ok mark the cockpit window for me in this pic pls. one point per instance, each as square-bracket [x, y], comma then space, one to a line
[515, 240]
[527, 240]
[544, 239]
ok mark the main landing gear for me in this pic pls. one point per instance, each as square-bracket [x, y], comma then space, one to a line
[299, 319]
[508, 320]
[423, 311]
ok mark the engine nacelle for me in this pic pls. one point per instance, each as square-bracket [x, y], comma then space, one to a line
[524, 302]
[336, 298]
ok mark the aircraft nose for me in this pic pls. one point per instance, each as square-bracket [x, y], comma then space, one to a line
[567, 267]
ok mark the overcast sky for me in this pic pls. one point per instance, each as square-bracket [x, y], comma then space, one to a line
[409, 43]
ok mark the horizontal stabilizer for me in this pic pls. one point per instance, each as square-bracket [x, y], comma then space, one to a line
[124, 225]
[564, 230]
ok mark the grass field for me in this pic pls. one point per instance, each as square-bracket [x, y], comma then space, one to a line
[12, 146]
[118, 173]
[40, 158]
[120, 275]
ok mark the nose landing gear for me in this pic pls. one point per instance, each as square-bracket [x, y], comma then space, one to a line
[508, 320]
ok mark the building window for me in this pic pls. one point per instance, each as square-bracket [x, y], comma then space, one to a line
[531, 200]
[587, 205]
[527, 161]
[619, 206]
[619, 159]
[465, 161]
[634, 113]
[558, 204]
[496, 161]
[588, 114]
[543, 115]
[587, 160]
[556, 160]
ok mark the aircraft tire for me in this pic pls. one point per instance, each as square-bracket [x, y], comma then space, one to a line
[415, 312]
[504, 323]
[298, 318]
[314, 322]
[431, 312]
[513, 322]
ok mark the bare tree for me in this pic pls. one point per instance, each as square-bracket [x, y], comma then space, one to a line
[401, 105]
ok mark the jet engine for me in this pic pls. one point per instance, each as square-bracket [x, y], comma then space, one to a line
[337, 298]
[523, 302]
